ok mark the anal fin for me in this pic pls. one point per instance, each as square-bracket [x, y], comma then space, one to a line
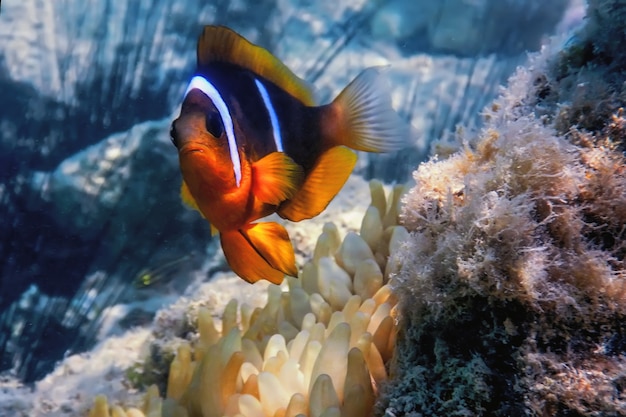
[260, 251]
[330, 173]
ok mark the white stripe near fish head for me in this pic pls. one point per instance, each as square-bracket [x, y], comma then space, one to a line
[211, 92]
[278, 140]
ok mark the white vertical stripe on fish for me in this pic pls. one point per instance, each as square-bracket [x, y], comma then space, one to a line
[211, 92]
[278, 140]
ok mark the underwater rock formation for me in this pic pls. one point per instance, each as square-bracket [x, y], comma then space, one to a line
[468, 28]
[513, 284]
[96, 200]
[584, 85]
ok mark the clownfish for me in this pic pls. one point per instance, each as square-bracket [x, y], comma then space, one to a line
[251, 142]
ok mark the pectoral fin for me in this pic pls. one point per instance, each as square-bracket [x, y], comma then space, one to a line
[188, 199]
[329, 174]
[260, 251]
[275, 178]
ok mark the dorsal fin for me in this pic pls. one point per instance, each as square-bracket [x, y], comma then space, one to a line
[221, 44]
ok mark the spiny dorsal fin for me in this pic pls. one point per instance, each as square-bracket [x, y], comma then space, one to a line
[221, 44]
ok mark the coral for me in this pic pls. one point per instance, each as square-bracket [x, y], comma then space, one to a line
[318, 347]
[512, 287]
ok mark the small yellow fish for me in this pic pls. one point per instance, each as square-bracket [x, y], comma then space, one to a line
[150, 276]
[252, 142]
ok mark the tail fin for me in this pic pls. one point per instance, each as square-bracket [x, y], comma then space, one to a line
[362, 117]
[260, 251]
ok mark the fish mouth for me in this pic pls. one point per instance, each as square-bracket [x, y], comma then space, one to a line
[188, 150]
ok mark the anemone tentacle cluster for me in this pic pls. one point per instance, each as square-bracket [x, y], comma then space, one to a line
[319, 347]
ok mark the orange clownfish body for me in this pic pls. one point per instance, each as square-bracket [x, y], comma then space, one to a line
[251, 142]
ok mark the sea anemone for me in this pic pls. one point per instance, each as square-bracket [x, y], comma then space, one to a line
[319, 347]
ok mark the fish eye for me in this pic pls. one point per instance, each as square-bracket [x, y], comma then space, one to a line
[173, 135]
[214, 124]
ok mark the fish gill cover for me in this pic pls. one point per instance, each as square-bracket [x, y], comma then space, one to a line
[88, 178]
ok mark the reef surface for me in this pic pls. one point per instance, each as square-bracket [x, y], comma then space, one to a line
[512, 285]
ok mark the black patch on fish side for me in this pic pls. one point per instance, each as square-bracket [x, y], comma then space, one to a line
[300, 126]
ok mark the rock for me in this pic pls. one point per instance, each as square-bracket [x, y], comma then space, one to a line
[400, 19]
[510, 302]
[111, 211]
[468, 28]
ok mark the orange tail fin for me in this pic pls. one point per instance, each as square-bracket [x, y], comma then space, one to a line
[362, 118]
[260, 251]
